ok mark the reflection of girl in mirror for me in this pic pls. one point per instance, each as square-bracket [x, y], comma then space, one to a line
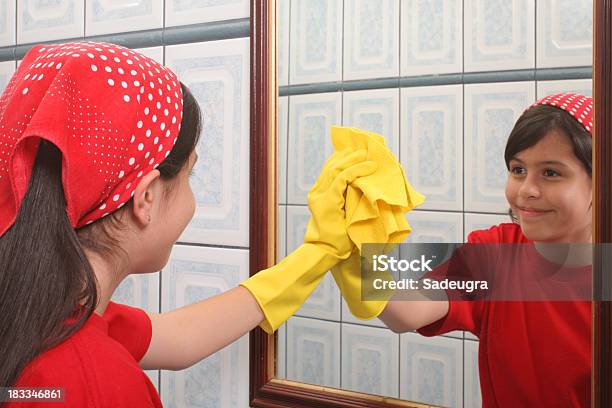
[97, 143]
[530, 353]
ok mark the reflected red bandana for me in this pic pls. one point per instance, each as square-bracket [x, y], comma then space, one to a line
[579, 106]
[114, 114]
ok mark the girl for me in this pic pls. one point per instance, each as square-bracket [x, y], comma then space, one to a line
[96, 146]
[531, 354]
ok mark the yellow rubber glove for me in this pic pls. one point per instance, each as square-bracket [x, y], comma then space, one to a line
[375, 213]
[281, 289]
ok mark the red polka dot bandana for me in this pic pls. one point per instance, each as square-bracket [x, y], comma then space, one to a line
[579, 106]
[114, 113]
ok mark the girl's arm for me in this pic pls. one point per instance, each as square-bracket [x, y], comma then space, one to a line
[406, 315]
[191, 333]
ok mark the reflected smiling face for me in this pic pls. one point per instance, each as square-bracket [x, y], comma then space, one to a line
[550, 191]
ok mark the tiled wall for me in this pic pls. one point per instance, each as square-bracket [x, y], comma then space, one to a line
[212, 255]
[447, 98]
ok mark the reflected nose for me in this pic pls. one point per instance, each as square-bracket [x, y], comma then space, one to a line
[529, 187]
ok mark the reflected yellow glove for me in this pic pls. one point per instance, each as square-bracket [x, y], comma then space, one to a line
[375, 207]
[281, 289]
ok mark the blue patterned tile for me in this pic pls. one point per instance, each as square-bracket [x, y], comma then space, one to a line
[220, 380]
[315, 41]
[375, 111]
[180, 12]
[109, 16]
[499, 34]
[324, 301]
[581, 86]
[371, 37]
[7, 68]
[283, 42]
[283, 119]
[434, 226]
[44, 20]
[431, 370]
[431, 144]
[217, 73]
[369, 360]
[565, 33]
[313, 351]
[310, 120]
[471, 384]
[490, 113]
[7, 22]
[431, 37]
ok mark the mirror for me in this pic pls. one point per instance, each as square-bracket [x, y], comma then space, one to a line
[443, 82]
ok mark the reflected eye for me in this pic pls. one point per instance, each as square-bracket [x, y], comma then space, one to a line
[551, 173]
[517, 170]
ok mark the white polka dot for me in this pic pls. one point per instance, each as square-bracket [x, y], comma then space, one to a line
[131, 161]
[116, 197]
[94, 68]
[124, 84]
[166, 112]
[90, 55]
[133, 72]
[150, 97]
[167, 132]
[139, 124]
[25, 91]
[146, 110]
[126, 98]
[162, 126]
[129, 61]
[136, 83]
[108, 69]
[140, 146]
[139, 173]
[27, 76]
[41, 76]
[152, 160]
[121, 71]
[159, 149]
[154, 118]
[117, 59]
[147, 155]
[103, 57]
[158, 105]
[167, 153]
[156, 140]
[121, 174]
[132, 139]
[111, 82]
[173, 119]
[148, 132]
[103, 206]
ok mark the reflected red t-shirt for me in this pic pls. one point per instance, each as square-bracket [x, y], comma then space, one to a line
[531, 354]
[98, 365]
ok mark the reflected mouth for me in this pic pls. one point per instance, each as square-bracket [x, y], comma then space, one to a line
[532, 212]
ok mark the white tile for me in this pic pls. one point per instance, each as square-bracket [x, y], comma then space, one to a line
[181, 12]
[7, 69]
[281, 250]
[281, 351]
[370, 360]
[155, 53]
[499, 34]
[49, 20]
[431, 37]
[313, 351]
[141, 291]
[471, 383]
[154, 377]
[222, 379]
[283, 41]
[310, 120]
[376, 111]
[431, 370]
[475, 222]
[435, 227]
[315, 41]
[217, 73]
[564, 33]
[324, 301]
[111, 16]
[431, 139]
[283, 120]
[490, 113]
[581, 86]
[7, 22]
[371, 39]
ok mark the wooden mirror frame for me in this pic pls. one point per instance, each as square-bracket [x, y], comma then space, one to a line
[267, 391]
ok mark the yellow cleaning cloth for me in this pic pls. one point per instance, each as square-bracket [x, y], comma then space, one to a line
[375, 209]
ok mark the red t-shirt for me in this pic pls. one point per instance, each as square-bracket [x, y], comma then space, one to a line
[98, 365]
[531, 354]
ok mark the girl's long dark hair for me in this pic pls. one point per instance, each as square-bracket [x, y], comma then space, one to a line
[47, 285]
[535, 123]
